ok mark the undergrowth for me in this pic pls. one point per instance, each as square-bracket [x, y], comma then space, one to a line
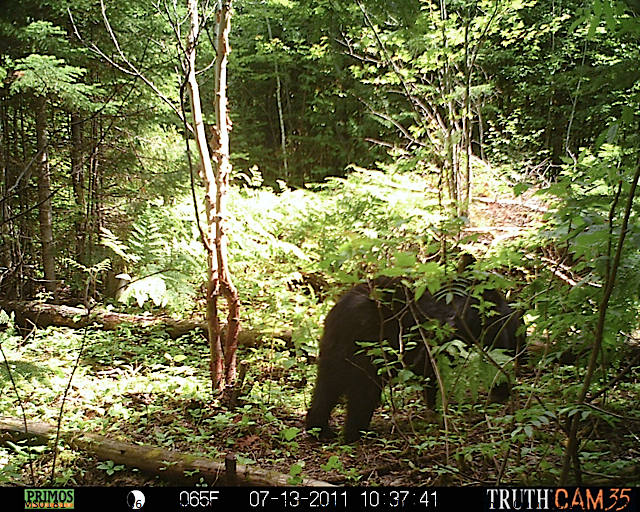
[294, 252]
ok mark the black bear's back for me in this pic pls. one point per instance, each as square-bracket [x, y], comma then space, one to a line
[356, 316]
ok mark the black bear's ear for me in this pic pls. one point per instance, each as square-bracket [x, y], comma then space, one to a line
[450, 319]
[466, 260]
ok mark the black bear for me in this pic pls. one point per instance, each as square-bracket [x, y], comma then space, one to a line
[385, 310]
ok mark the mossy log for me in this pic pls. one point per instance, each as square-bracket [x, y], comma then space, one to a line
[40, 314]
[43, 315]
[176, 467]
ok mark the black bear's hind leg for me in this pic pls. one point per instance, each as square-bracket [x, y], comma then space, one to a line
[362, 400]
[328, 390]
[430, 393]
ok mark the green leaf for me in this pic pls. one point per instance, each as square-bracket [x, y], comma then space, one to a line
[404, 259]
[245, 461]
[295, 469]
[332, 463]
[520, 188]
[595, 22]
[420, 289]
[290, 433]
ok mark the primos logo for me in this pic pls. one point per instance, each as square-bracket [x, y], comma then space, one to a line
[49, 498]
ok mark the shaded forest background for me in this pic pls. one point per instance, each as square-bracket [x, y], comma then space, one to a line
[367, 137]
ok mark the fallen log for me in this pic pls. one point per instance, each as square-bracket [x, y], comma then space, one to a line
[43, 315]
[40, 314]
[176, 467]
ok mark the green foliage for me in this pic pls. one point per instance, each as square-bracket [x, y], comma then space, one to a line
[110, 467]
[162, 258]
[46, 75]
[291, 47]
[586, 80]
[290, 247]
[295, 475]
[586, 226]
[387, 87]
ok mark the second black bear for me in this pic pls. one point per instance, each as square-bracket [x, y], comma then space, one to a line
[384, 310]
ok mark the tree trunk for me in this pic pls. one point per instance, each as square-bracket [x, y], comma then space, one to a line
[6, 183]
[45, 210]
[283, 132]
[216, 179]
[223, 170]
[33, 313]
[77, 181]
[93, 189]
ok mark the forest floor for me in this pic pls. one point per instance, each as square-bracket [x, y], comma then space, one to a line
[478, 444]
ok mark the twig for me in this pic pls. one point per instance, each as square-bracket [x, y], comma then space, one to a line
[129, 68]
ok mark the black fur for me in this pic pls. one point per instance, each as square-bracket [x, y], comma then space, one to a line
[384, 310]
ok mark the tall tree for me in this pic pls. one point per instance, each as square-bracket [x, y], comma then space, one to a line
[44, 77]
[45, 211]
[292, 95]
[48, 82]
[216, 178]
[432, 92]
[215, 168]
[79, 187]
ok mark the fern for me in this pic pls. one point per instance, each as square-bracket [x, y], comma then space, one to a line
[147, 242]
[111, 241]
[158, 258]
